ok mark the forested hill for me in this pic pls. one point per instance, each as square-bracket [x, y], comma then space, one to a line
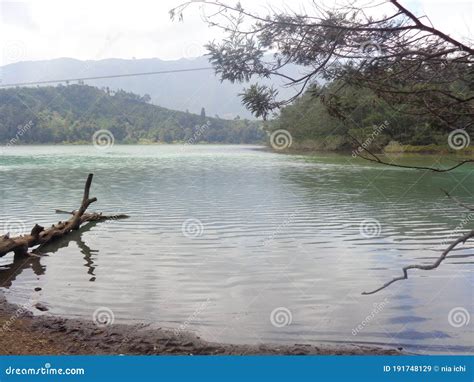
[172, 90]
[314, 126]
[67, 114]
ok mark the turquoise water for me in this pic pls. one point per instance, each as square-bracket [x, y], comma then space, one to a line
[219, 237]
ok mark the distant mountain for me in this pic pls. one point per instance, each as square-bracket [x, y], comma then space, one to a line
[77, 113]
[180, 91]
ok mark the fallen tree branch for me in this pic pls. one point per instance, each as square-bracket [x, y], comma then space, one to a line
[458, 202]
[435, 169]
[375, 158]
[443, 256]
[94, 216]
[40, 236]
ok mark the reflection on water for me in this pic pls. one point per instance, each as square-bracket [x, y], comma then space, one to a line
[272, 231]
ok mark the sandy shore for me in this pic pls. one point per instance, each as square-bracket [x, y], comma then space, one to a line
[23, 333]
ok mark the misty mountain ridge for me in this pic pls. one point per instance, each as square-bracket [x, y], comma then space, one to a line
[184, 91]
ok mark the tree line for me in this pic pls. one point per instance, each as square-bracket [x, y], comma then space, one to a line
[378, 60]
[314, 126]
[73, 113]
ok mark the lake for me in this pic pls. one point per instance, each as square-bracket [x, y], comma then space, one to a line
[245, 246]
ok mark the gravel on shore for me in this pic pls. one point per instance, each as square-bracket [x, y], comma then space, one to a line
[23, 333]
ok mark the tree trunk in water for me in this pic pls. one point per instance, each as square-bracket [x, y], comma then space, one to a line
[39, 235]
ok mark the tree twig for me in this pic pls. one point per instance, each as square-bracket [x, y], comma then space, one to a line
[375, 158]
[443, 256]
[457, 201]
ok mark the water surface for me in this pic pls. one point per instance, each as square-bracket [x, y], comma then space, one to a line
[263, 231]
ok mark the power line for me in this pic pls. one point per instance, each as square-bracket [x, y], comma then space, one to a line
[103, 77]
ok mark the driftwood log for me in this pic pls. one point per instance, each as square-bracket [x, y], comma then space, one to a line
[39, 235]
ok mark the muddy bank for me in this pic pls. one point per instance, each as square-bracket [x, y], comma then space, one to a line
[23, 333]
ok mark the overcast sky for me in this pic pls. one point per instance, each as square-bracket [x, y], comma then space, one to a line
[96, 29]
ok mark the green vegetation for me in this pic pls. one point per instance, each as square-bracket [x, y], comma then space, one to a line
[383, 85]
[317, 123]
[70, 114]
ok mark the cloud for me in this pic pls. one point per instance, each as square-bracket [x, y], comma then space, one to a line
[454, 17]
[17, 14]
[94, 30]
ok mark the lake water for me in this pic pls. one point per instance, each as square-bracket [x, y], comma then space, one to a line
[219, 237]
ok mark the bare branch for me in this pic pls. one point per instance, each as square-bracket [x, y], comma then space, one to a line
[375, 158]
[445, 253]
[458, 202]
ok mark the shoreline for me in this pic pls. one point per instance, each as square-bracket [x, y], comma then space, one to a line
[27, 334]
[427, 150]
[403, 154]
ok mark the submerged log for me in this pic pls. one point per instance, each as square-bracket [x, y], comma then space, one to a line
[39, 235]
